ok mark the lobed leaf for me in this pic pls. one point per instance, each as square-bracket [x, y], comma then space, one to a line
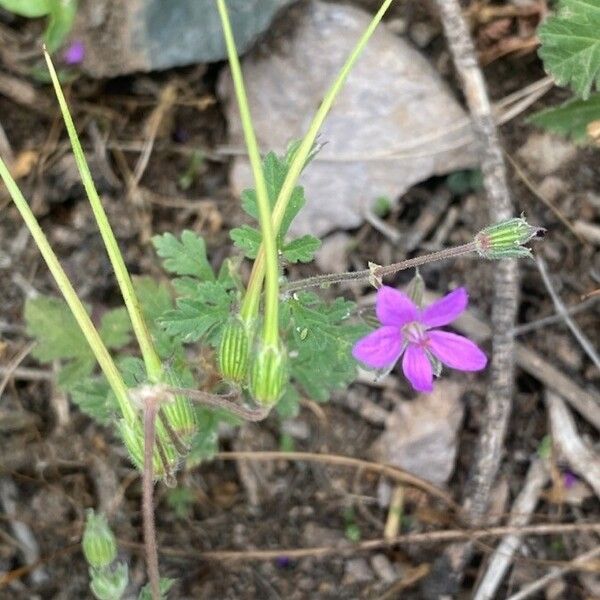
[570, 45]
[571, 119]
[301, 249]
[185, 257]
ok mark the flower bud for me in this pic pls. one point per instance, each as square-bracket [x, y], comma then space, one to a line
[109, 584]
[99, 544]
[268, 375]
[234, 351]
[506, 239]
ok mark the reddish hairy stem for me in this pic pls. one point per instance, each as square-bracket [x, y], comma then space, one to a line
[150, 410]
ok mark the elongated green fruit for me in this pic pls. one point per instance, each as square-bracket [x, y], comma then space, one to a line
[268, 374]
[234, 351]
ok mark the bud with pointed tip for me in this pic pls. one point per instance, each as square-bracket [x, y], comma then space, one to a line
[268, 374]
[99, 544]
[506, 239]
[109, 584]
[234, 351]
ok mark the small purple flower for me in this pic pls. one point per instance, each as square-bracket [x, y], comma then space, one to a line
[410, 331]
[569, 479]
[74, 53]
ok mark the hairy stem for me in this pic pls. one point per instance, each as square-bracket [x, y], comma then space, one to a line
[150, 410]
[378, 272]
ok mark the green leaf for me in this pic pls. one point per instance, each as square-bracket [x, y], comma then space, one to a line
[275, 170]
[94, 398]
[247, 239]
[50, 321]
[319, 337]
[75, 371]
[570, 45]
[62, 16]
[302, 249]
[30, 9]
[288, 406]
[165, 584]
[201, 316]
[571, 118]
[185, 257]
[115, 328]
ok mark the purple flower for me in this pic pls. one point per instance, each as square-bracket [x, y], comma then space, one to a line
[74, 53]
[569, 479]
[411, 332]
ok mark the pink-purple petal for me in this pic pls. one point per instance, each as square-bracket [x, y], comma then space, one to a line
[417, 368]
[456, 351]
[379, 349]
[446, 309]
[394, 308]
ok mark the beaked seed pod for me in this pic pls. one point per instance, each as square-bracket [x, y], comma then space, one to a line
[133, 438]
[99, 544]
[268, 375]
[234, 351]
[506, 239]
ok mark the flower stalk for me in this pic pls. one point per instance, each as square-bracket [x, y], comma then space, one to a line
[271, 321]
[251, 301]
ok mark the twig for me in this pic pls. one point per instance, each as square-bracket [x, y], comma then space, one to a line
[524, 505]
[534, 190]
[28, 374]
[554, 574]
[150, 409]
[346, 461]
[550, 320]
[562, 311]
[21, 531]
[430, 537]
[506, 291]
[12, 366]
[583, 460]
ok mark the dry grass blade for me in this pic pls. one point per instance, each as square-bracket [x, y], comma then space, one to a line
[562, 311]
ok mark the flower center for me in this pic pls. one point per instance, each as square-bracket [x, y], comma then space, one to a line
[415, 333]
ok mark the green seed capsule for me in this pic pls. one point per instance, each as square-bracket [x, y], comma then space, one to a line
[234, 351]
[133, 438]
[268, 375]
[99, 544]
[506, 239]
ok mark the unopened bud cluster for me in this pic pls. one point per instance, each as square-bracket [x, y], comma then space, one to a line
[506, 239]
[108, 582]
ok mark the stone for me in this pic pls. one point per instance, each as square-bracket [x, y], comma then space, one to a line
[152, 35]
[357, 570]
[421, 436]
[395, 122]
[545, 153]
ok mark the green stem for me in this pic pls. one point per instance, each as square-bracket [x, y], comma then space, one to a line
[268, 238]
[149, 354]
[378, 272]
[251, 301]
[85, 323]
